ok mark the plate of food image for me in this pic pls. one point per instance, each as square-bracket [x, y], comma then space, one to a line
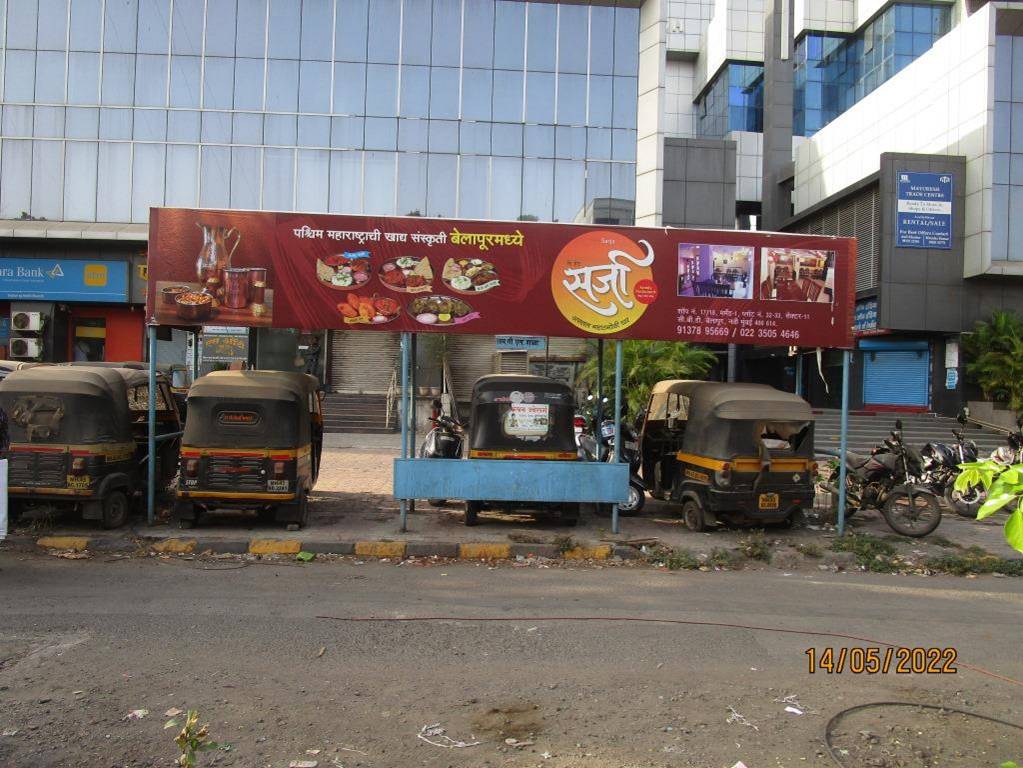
[344, 271]
[470, 276]
[368, 310]
[440, 311]
[407, 274]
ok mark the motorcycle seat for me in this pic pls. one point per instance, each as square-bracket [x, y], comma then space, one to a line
[855, 460]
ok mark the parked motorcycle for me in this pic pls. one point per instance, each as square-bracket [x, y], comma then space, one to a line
[941, 464]
[445, 440]
[968, 502]
[886, 481]
[629, 453]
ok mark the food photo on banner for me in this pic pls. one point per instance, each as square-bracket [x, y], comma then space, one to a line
[295, 270]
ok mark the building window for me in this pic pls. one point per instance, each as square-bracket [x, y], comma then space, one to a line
[734, 101]
[833, 72]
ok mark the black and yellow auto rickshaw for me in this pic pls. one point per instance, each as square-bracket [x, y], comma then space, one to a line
[252, 441]
[741, 453]
[79, 436]
[522, 417]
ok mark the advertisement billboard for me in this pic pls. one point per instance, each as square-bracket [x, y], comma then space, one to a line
[64, 280]
[295, 270]
[924, 210]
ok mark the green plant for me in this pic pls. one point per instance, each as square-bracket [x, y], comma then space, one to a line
[192, 739]
[564, 543]
[680, 560]
[721, 558]
[995, 358]
[809, 550]
[1004, 486]
[975, 560]
[872, 553]
[644, 363]
[755, 547]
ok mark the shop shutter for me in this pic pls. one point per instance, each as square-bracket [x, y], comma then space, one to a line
[896, 377]
[469, 357]
[363, 361]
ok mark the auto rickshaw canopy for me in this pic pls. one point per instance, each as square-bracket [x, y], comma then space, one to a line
[68, 406]
[519, 412]
[724, 420]
[250, 409]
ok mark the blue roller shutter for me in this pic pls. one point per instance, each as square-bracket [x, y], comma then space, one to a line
[896, 375]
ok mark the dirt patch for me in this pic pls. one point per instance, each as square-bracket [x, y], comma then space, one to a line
[898, 737]
[513, 721]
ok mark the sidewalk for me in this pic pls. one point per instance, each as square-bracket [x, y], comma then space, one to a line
[352, 511]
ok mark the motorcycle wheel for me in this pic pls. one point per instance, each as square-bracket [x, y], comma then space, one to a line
[964, 504]
[637, 499]
[436, 502]
[472, 511]
[913, 515]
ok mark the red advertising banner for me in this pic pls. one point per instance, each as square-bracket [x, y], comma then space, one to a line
[295, 270]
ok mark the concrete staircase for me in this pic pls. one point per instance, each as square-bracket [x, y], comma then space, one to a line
[869, 430]
[365, 414]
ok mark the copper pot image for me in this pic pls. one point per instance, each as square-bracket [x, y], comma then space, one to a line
[236, 287]
[215, 255]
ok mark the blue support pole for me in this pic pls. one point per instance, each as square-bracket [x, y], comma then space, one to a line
[618, 424]
[799, 373]
[404, 414]
[843, 441]
[151, 462]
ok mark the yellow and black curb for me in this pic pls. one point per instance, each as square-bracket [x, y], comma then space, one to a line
[394, 550]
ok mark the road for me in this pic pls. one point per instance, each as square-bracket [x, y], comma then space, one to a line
[83, 643]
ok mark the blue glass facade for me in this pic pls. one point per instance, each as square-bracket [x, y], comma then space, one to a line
[473, 108]
[734, 101]
[834, 72]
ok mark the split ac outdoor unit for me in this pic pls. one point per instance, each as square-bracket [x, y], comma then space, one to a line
[26, 348]
[27, 321]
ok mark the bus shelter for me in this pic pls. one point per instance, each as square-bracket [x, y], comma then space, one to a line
[417, 275]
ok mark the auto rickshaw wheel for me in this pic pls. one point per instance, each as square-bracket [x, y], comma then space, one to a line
[472, 513]
[115, 510]
[692, 512]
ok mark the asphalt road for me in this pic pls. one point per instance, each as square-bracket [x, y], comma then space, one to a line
[83, 643]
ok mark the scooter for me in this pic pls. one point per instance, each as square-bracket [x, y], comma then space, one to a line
[629, 453]
[445, 440]
[941, 467]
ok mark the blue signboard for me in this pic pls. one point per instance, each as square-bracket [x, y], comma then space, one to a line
[865, 319]
[924, 210]
[521, 343]
[64, 280]
[951, 378]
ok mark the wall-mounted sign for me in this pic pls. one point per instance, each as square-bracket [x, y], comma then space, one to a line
[64, 280]
[224, 344]
[389, 274]
[951, 378]
[924, 218]
[521, 343]
[865, 322]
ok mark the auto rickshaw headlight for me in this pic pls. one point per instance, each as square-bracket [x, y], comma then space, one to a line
[278, 470]
[79, 465]
[192, 467]
[723, 476]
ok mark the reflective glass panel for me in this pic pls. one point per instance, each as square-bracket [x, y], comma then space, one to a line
[48, 122]
[538, 188]
[317, 33]
[245, 166]
[119, 20]
[510, 34]
[281, 85]
[477, 93]
[378, 183]
[285, 29]
[346, 132]
[86, 22]
[382, 90]
[345, 182]
[82, 122]
[312, 186]
[218, 83]
[314, 86]
[216, 127]
[474, 138]
[280, 130]
[570, 143]
[186, 32]
[444, 136]
[278, 179]
[21, 24]
[444, 93]
[474, 187]
[508, 96]
[602, 31]
[507, 139]
[413, 135]
[247, 128]
[80, 180]
[505, 188]
[147, 182]
[118, 79]
[415, 92]
[52, 31]
[17, 121]
[573, 33]
[182, 125]
[20, 76]
[47, 179]
[539, 97]
[415, 36]
[182, 175]
[184, 81]
[539, 141]
[114, 163]
[251, 34]
[447, 31]
[442, 180]
[626, 41]
[381, 133]
[478, 34]
[572, 99]
[248, 83]
[50, 77]
[150, 80]
[349, 88]
[221, 26]
[351, 25]
[541, 35]
[569, 189]
[411, 184]
[16, 181]
[384, 29]
[150, 125]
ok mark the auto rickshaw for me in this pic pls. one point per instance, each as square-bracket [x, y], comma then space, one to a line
[252, 441]
[741, 453]
[522, 417]
[79, 436]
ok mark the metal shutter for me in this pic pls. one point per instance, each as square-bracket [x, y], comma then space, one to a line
[469, 357]
[867, 221]
[511, 362]
[363, 361]
[896, 377]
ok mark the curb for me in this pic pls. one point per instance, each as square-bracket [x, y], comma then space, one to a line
[396, 550]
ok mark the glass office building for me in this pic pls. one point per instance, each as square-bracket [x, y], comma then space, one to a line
[733, 101]
[470, 108]
[833, 72]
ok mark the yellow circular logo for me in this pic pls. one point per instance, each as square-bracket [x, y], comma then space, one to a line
[602, 281]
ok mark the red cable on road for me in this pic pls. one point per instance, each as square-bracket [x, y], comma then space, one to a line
[641, 620]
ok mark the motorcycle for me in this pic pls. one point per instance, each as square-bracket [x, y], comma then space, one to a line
[886, 480]
[971, 500]
[941, 466]
[445, 440]
[630, 454]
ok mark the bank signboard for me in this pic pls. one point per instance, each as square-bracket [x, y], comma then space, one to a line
[924, 218]
[64, 280]
[365, 273]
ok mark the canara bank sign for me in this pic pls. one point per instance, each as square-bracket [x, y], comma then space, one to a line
[64, 280]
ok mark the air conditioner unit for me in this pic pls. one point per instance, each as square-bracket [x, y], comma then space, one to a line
[27, 321]
[511, 362]
[26, 348]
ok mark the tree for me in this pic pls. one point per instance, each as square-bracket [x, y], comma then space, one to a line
[995, 358]
[644, 363]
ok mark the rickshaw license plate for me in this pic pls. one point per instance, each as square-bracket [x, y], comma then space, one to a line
[769, 501]
[79, 482]
[277, 485]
